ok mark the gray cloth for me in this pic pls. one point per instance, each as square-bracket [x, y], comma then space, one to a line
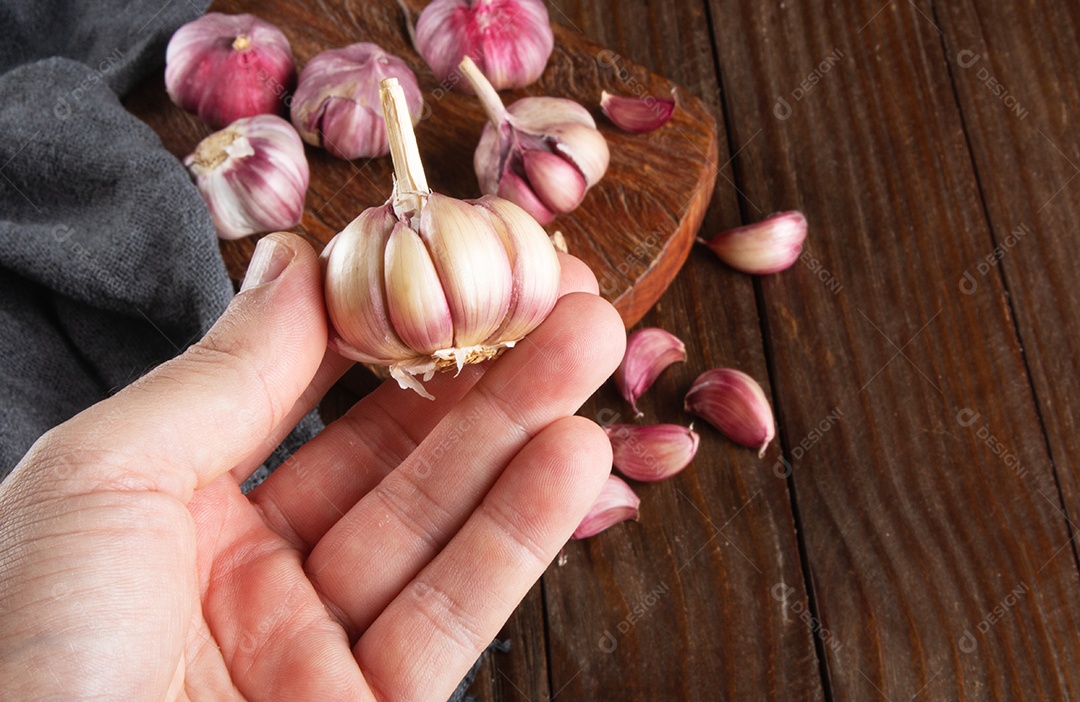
[109, 262]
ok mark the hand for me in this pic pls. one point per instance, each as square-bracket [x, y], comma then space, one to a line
[376, 563]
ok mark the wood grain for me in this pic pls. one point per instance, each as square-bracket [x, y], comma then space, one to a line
[915, 529]
[634, 237]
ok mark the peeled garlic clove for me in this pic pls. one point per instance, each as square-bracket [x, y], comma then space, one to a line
[534, 264]
[461, 280]
[510, 40]
[616, 503]
[253, 176]
[648, 352]
[653, 452]
[735, 404]
[637, 115]
[226, 67]
[769, 246]
[336, 104]
[558, 184]
[541, 153]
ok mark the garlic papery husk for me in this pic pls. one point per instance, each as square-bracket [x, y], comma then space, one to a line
[653, 452]
[769, 246]
[226, 67]
[510, 40]
[637, 115]
[616, 503]
[426, 282]
[253, 176]
[648, 352]
[540, 153]
[735, 404]
[336, 104]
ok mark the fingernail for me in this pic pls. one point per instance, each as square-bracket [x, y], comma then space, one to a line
[271, 257]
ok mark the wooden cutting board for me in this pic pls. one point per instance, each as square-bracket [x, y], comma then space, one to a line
[635, 228]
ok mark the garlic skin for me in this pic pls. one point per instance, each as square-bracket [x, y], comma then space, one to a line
[769, 246]
[637, 115]
[648, 352]
[510, 40]
[652, 453]
[226, 67]
[253, 176]
[735, 404]
[336, 103]
[540, 153]
[426, 282]
[616, 503]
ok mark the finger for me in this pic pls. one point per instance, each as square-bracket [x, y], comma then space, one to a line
[458, 603]
[403, 523]
[332, 368]
[311, 491]
[211, 408]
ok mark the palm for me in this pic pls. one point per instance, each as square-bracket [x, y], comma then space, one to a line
[376, 563]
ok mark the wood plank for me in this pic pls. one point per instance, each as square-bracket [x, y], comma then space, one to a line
[635, 238]
[680, 605]
[915, 531]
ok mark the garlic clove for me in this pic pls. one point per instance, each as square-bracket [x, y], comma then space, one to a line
[637, 115]
[540, 116]
[466, 249]
[253, 176]
[415, 299]
[227, 67]
[586, 148]
[558, 184]
[510, 40]
[735, 404]
[534, 264]
[648, 352]
[517, 191]
[355, 283]
[336, 103]
[768, 246]
[653, 452]
[616, 503]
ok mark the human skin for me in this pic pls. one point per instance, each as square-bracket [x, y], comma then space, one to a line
[375, 564]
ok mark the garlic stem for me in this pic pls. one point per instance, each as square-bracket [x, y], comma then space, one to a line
[489, 98]
[410, 183]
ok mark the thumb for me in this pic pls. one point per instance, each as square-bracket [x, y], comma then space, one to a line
[195, 417]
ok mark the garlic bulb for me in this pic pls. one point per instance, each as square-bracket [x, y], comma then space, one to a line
[336, 104]
[510, 40]
[426, 282]
[253, 176]
[541, 153]
[225, 67]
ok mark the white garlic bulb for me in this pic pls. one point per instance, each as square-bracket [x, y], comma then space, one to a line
[426, 282]
[253, 176]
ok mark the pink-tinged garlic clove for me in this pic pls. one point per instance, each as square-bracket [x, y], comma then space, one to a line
[253, 176]
[768, 246]
[558, 184]
[517, 191]
[336, 103]
[637, 115]
[510, 40]
[616, 503]
[227, 67]
[654, 452]
[648, 352]
[734, 403]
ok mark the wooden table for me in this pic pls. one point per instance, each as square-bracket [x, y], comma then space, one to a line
[909, 534]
